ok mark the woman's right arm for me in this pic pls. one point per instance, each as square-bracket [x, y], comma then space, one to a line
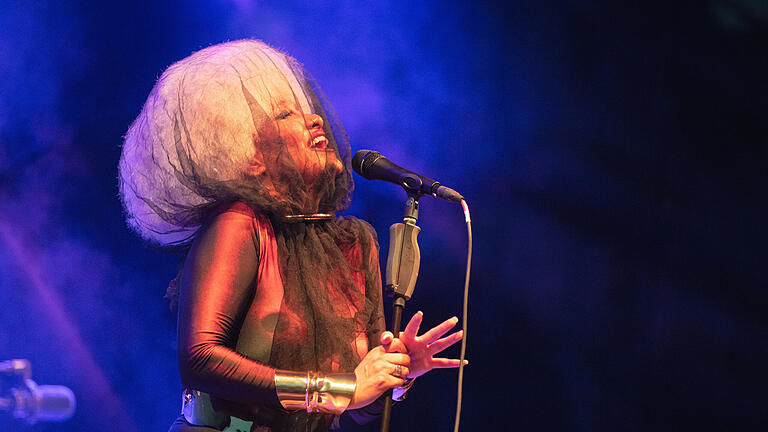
[217, 286]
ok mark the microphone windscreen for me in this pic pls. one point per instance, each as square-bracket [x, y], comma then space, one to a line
[362, 160]
[54, 403]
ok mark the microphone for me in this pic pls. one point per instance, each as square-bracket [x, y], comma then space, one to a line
[53, 403]
[31, 402]
[373, 166]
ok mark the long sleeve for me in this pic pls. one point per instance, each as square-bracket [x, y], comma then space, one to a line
[217, 286]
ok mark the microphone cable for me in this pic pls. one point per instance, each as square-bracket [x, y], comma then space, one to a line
[460, 386]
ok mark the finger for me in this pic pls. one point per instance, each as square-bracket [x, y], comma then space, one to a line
[404, 371]
[397, 346]
[441, 363]
[437, 331]
[400, 371]
[445, 342]
[398, 358]
[412, 329]
[393, 381]
[386, 339]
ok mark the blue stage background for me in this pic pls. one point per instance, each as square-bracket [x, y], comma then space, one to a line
[614, 158]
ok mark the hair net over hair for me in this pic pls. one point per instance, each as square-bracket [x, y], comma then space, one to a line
[209, 134]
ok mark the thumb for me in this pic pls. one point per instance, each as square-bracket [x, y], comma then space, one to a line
[386, 339]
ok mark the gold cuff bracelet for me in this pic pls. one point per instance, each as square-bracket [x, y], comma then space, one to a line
[314, 391]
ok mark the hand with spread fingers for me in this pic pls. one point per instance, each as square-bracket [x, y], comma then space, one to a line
[377, 372]
[421, 349]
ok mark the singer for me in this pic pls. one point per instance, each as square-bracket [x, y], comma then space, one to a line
[238, 161]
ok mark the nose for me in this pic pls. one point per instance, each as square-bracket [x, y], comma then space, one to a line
[313, 121]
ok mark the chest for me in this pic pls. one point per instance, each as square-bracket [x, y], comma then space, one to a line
[267, 313]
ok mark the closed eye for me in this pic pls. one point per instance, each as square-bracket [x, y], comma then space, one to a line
[283, 114]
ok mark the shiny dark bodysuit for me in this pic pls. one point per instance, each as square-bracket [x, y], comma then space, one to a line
[230, 297]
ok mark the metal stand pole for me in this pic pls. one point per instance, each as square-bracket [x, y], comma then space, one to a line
[402, 271]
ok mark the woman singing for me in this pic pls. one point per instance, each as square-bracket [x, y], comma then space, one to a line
[238, 160]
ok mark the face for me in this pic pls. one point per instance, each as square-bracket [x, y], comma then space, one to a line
[306, 141]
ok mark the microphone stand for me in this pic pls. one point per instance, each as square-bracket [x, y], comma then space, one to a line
[402, 271]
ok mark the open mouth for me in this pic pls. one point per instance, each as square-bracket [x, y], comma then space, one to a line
[319, 142]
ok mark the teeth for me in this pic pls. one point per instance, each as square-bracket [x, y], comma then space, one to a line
[318, 140]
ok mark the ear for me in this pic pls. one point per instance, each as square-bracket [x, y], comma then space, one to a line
[257, 166]
[256, 169]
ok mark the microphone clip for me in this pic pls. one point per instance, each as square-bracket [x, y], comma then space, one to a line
[404, 256]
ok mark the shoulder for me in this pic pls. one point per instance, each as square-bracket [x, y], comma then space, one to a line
[231, 224]
[236, 207]
[359, 244]
[359, 230]
[237, 211]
